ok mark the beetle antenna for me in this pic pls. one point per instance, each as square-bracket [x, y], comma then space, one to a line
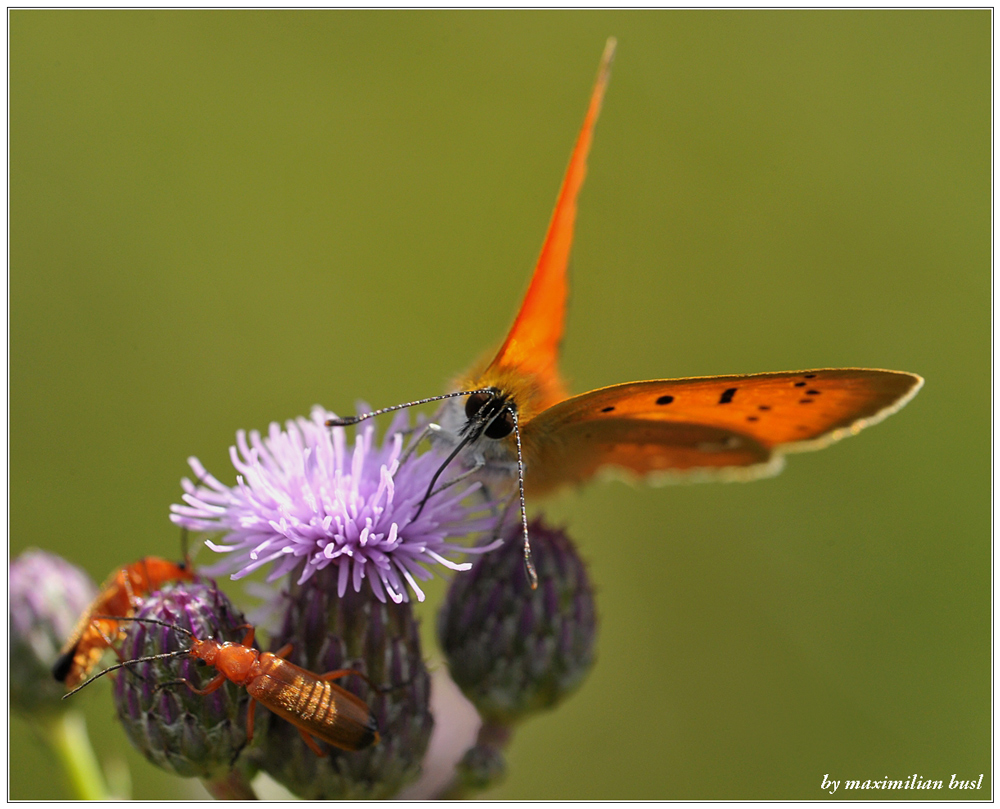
[125, 664]
[156, 621]
[147, 658]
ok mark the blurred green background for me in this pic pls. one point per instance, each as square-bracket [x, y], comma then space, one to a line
[218, 219]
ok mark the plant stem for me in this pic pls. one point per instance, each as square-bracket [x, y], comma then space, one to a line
[232, 787]
[66, 734]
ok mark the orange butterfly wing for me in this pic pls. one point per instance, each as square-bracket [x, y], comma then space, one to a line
[734, 427]
[531, 348]
[717, 427]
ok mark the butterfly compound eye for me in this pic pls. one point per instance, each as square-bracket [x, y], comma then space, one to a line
[475, 403]
[502, 425]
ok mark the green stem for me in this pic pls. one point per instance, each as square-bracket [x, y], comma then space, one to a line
[231, 787]
[67, 735]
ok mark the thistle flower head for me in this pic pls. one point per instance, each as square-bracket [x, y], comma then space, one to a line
[513, 650]
[380, 640]
[304, 501]
[185, 733]
[47, 596]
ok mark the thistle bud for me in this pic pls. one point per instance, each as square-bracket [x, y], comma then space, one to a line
[355, 631]
[47, 596]
[184, 733]
[513, 650]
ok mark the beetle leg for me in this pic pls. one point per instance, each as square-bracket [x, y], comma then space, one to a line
[250, 713]
[336, 675]
[133, 600]
[311, 743]
[213, 685]
[110, 640]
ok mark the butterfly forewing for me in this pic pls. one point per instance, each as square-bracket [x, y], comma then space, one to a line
[728, 426]
[532, 344]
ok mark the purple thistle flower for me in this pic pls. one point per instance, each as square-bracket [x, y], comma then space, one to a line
[302, 498]
[46, 595]
[188, 734]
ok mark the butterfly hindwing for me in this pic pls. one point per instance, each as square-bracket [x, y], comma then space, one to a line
[728, 427]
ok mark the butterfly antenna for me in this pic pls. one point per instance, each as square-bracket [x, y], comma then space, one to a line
[348, 420]
[528, 564]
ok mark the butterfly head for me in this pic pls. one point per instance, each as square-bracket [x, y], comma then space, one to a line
[490, 413]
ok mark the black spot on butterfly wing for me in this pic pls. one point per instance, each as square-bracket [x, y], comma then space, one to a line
[727, 395]
[607, 409]
[664, 400]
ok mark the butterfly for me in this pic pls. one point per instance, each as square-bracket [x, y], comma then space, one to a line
[518, 424]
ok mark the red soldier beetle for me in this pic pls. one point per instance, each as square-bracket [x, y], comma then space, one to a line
[121, 594]
[311, 702]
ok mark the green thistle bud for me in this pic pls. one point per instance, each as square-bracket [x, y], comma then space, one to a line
[513, 650]
[352, 631]
[47, 596]
[184, 733]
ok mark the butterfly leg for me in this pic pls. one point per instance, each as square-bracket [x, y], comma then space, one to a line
[421, 434]
[459, 478]
[444, 465]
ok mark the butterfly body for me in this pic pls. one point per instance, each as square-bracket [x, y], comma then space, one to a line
[496, 458]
